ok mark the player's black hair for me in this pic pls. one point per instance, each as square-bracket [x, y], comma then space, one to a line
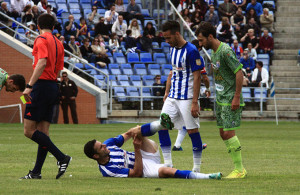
[260, 63]
[18, 80]
[46, 21]
[171, 25]
[206, 29]
[89, 148]
[196, 43]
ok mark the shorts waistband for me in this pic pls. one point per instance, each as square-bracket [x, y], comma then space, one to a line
[45, 81]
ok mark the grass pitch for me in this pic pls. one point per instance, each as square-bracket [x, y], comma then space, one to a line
[270, 155]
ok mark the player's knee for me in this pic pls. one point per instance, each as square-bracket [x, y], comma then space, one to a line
[28, 133]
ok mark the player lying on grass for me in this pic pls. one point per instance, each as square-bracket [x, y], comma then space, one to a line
[113, 161]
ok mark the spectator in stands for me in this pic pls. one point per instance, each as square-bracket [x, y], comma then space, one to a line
[245, 79]
[75, 48]
[201, 7]
[239, 3]
[188, 22]
[256, 6]
[248, 63]
[114, 45]
[211, 2]
[5, 20]
[66, 46]
[188, 4]
[266, 44]
[185, 13]
[150, 31]
[252, 14]
[134, 11]
[93, 17]
[102, 29]
[267, 20]
[212, 16]
[237, 49]
[135, 28]
[42, 5]
[120, 8]
[119, 27]
[226, 9]
[83, 30]
[87, 52]
[36, 13]
[16, 7]
[146, 41]
[69, 91]
[238, 18]
[30, 2]
[239, 32]
[57, 25]
[100, 52]
[260, 76]
[31, 36]
[111, 16]
[71, 28]
[26, 14]
[225, 31]
[253, 25]
[130, 41]
[251, 51]
[158, 90]
[250, 38]
[195, 19]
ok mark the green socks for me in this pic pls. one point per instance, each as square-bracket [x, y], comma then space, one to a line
[234, 148]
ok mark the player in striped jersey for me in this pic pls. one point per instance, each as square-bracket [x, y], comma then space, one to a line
[113, 161]
[182, 92]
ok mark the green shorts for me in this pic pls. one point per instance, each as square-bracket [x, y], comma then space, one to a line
[228, 119]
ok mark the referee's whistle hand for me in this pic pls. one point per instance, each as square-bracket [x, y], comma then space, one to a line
[26, 94]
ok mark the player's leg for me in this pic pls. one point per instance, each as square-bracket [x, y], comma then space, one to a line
[180, 136]
[192, 125]
[168, 172]
[231, 121]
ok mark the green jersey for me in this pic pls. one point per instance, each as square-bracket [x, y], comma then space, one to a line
[3, 77]
[225, 66]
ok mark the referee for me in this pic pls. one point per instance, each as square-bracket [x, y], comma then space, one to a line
[41, 94]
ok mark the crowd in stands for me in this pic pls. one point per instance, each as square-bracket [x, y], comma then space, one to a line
[106, 27]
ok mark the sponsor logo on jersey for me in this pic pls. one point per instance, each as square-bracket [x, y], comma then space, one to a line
[180, 68]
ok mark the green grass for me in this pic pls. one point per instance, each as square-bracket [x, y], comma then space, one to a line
[270, 155]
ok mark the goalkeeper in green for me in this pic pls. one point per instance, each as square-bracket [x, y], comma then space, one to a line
[12, 83]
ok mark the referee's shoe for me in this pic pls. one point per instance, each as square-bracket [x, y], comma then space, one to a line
[62, 166]
[32, 175]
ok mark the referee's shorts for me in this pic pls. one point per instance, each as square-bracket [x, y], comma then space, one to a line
[44, 95]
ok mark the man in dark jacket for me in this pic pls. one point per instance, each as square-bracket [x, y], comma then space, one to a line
[69, 92]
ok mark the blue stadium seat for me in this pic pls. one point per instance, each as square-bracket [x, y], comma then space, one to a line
[163, 78]
[79, 65]
[133, 91]
[123, 80]
[85, 1]
[148, 80]
[161, 13]
[146, 58]
[133, 58]
[117, 54]
[112, 60]
[263, 56]
[77, 17]
[75, 11]
[103, 70]
[165, 47]
[166, 68]
[53, 4]
[159, 58]
[154, 69]
[120, 93]
[72, 1]
[114, 69]
[140, 69]
[146, 14]
[86, 12]
[246, 94]
[136, 80]
[126, 69]
[101, 83]
[101, 11]
[86, 6]
[61, 1]
[92, 71]
[168, 58]
[90, 67]
[257, 94]
[147, 94]
[74, 6]
[62, 6]
[120, 60]
[113, 80]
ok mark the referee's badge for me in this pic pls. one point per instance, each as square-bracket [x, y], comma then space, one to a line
[198, 62]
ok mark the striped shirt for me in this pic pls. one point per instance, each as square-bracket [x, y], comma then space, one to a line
[120, 161]
[185, 61]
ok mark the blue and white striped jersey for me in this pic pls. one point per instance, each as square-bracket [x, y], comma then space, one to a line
[120, 160]
[185, 61]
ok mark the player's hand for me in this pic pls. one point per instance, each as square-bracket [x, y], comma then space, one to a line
[235, 104]
[137, 142]
[195, 110]
[26, 94]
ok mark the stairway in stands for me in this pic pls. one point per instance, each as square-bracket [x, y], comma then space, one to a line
[285, 71]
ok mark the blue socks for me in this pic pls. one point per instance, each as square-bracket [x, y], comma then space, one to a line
[182, 174]
[150, 129]
[197, 150]
[165, 145]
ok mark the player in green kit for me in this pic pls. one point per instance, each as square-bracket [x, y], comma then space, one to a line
[12, 83]
[228, 82]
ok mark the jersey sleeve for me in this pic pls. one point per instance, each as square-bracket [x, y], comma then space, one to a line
[231, 60]
[118, 141]
[42, 47]
[61, 58]
[195, 60]
[114, 171]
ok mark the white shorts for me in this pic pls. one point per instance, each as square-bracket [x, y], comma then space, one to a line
[180, 113]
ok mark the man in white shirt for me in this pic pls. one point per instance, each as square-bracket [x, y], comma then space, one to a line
[119, 27]
[17, 7]
[260, 76]
[111, 15]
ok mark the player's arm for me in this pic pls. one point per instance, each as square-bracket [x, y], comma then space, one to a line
[168, 85]
[137, 171]
[238, 88]
[196, 90]
[205, 80]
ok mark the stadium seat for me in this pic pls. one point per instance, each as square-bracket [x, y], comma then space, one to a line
[123, 80]
[146, 14]
[120, 94]
[103, 70]
[112, 60]
[79, 65]
[257, 94]
[136, 80]
[62, 6]
[163, 78]
[114, 69]
[72, 1]
[154, 69]
[86, 6]
[132, 91]
[246, 94]
[168, 58]
[117, 54]
[159, 58]
[89, 67]
[92, 71]
[126, 69]
[165, 47]
[148, 80]
[147, 94]
[120, 60]
[75, 11]
[140, 69]
[101, 83]
[74, 6]
[166, 68]
[85, 1]
[113, 80]
[161, 13]
[133, 58]
[263, 56]
[146, 58]
[53, 4]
